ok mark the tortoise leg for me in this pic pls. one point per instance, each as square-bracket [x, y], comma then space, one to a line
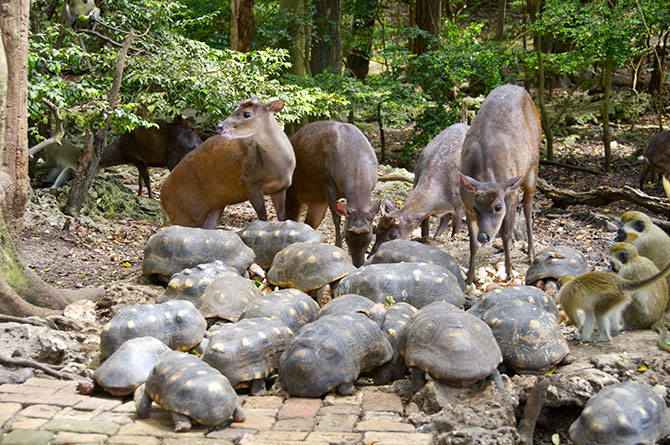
[238, 414]
[383, 374]
[89, 388]
[181, 422]
[347, 389]
[418, 378]
[497, 379]
[142, 402]
[258, 387]
[324, 294]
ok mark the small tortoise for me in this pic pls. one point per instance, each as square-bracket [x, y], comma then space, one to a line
[177, 323]
[248, 351]
[397, 317]
[529, 294]
[418, 284]
[405, 251]
[331, 352]
[451, 345]
[189, 389]
[553, 263]
[177, 248]
[292, 307]
[346, 304]
[529, 337]
[189, 284]
[625, 413]
[127, 368]
[227, 297]
[266, 238]
[310, 267]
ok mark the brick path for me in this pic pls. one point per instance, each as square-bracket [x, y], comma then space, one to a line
[42, 411]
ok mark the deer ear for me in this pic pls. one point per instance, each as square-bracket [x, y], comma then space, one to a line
[470, 184]
[276, 106]
[341, 207]
[375, 208]
[417, 218]
[388, 206]
[513, 184]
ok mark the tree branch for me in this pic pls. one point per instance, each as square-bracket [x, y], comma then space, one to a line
[56, 135]
[6, 360]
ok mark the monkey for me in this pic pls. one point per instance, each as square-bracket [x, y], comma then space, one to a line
[600, 295]
[647, 304]
[81, 13]
[61, 161]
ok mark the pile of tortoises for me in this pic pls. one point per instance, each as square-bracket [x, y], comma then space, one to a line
[327, 323]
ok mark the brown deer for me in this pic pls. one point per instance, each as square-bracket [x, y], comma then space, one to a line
[253, 157]
[500, 155]
[657, 155]
[334, 160]
[435, 193]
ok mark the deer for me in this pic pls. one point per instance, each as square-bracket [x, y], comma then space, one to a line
[499, 159]
[251, 158]
[657, 155]
[336, 169]
[144, 147]
[436, 192]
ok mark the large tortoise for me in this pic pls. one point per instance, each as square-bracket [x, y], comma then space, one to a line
[405, 251]
[311, 267]
[190, 283]
[529, 294]
[248, 351]
[625, 413]
[227, 297]
[552, 263]
[451, 345]
[267, 238]
[418, 284]
[346, 304]
[397, 317]
[127, 368]
[330, 353]
[292, 307]
[177, 323]
[176, 248]
[189, 389]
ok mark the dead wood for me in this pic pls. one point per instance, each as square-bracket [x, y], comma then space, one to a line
[532, 410]
[22, 362]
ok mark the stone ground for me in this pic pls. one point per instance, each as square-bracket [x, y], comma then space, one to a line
[47, 411]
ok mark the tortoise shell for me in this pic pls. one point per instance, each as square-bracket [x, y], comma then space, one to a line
[189, 284]
[405, 251]
[309, 265]
[529, 337]
[451, 345]
[184, 384]
[346, 304]
[249, 349]
[330, 352]
[177, 323]
[292, 307]
[130, 365]
[555, 262]
[529, 294]
[626, 413]
[418, 284]
[266, 238]
[227, 297]
[177, 248]
[397, 316]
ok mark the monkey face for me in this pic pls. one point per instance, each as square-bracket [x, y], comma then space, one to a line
[621, 254]
[633, 224]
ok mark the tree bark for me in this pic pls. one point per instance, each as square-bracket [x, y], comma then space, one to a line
[427, 16]
[326, 44]
[364, 17]
[242, 25]
[537, 40]
[607, 80]
[500, 24]
[292, 13]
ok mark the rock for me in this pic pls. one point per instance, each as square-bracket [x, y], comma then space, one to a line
[40, 343]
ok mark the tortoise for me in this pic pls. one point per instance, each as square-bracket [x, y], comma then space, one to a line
[266, 238]
[227, 297]
[451, 345]
[177, 248]
[529, 294]
[529, 337]
[624, 413]
[405, 251]
[291, 306]
[331, 352]
[189, 389]
[127, 368]
[415, 283]
[177, 323]
[189, 284]
[248, 351]
[552, 263]
[397, 316]
[311, 267]
[345, 304]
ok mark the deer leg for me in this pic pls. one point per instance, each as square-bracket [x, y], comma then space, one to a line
[507, 235]
[472, 232]
[528, 213]
[279, 201]
[213, 218]
[143, 176]
[255, 195]
[315, 214]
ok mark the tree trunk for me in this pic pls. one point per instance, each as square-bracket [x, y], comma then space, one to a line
[22, 292]
[607, 81]
[326, 44]
[540, 87]
[427, 16]
[242, 25]
[500, 25]
[364, 17]
[292, 14]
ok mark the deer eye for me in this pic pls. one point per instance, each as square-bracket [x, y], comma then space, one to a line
[247, 115]
[393, 235]
[498, 207]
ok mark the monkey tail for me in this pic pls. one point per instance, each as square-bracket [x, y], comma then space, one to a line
[663, 339]
[634, 285]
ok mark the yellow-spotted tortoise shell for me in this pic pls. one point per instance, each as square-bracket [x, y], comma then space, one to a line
[267, 238]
